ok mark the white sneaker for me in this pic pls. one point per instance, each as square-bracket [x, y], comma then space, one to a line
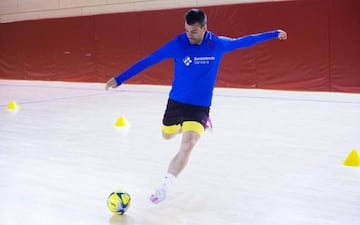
[158, 196]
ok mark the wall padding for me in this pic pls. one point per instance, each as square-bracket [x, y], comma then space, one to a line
[321, 52]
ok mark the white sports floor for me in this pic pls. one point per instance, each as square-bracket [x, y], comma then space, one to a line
[273, 157]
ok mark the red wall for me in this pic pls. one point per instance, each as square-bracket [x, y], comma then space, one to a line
[321, 53]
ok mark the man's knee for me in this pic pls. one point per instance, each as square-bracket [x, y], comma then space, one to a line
[167, 136]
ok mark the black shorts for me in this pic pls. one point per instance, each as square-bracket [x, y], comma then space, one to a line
[177, 113]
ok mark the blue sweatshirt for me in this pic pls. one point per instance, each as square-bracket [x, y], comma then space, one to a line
[196, 66]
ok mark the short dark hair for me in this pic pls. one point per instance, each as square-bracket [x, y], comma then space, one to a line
[195, 16]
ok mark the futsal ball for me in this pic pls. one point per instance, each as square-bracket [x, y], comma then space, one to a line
[119, 202]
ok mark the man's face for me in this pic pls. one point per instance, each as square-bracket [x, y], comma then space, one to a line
[195, 33]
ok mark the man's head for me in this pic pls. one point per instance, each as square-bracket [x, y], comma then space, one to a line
[195, 25]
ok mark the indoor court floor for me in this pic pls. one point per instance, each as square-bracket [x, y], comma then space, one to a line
[272, 158]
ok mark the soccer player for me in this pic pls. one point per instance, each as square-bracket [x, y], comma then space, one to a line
[197, 53]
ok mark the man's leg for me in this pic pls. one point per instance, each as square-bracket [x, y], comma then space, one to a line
[192, 132]
[188, 141]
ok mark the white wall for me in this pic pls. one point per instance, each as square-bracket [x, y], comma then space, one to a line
[19, 10]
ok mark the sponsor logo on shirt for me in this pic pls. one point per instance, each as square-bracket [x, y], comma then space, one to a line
[203, 59]
[187, 61]
[198, 60]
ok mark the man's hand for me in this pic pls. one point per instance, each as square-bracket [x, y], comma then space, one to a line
[282, 35]
[111, 84]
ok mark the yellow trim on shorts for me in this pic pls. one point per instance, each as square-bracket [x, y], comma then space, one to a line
[193, 126]
[171, 129]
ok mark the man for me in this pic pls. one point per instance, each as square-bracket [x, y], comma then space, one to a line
[197, 53]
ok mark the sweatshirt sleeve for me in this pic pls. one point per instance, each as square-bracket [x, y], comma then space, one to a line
[231, 44]
[162, 53]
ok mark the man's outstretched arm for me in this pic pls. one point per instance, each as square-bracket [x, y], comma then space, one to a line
[162, 53]
[231, 44]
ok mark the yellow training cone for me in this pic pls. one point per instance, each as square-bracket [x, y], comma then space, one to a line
[13, 106]
[353, 159]
[122, 122]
